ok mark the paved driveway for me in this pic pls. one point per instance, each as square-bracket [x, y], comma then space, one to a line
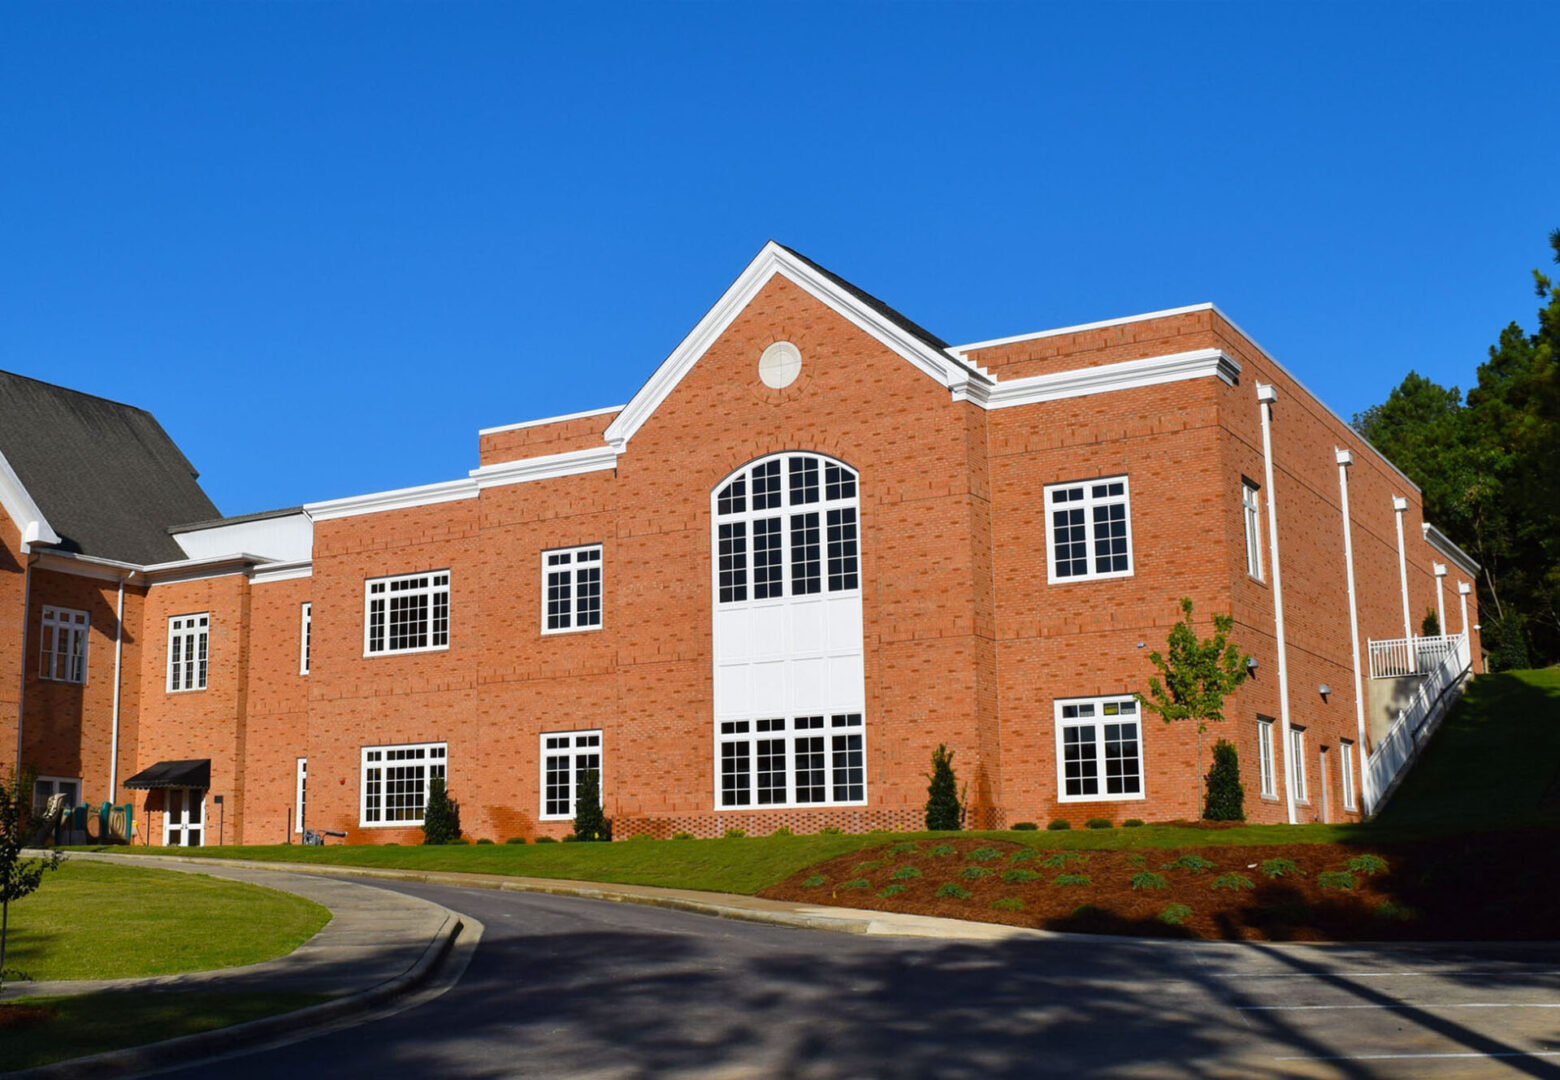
[579, 988]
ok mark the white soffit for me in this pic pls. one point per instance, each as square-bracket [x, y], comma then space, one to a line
[30, 522]
[1443, 543]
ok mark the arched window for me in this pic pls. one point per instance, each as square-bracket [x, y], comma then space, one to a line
[789, 669]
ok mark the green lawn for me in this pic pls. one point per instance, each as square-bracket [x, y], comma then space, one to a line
[69, 1027]
[93, 920]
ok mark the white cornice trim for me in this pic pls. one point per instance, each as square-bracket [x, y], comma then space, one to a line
[1443, 543]
[91, 566]
[961, 350]
[772, 260]
[546, 467]
[281, 571]
[87, 566]
[1127, 375]
[30, 522]
[399, 499]
[588, 413]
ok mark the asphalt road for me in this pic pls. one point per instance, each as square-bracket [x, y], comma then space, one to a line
[579, 988]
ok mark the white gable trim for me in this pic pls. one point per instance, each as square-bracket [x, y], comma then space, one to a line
[30, 522]
[550, 420]
[772, 260]
[1127, 375]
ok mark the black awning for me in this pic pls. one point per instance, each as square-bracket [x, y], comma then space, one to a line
[166, 774]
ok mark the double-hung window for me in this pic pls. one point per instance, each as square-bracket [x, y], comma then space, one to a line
[1346, 765]
[571, 589]
[189, 638]
[1297, 762]
[409, 613]
[1266, 778]
[566, 757]
[64, 649]
[395, 782]
[304, 632]
[1099, 750]
[1251, 512]
[1089, 530]
[792, 761]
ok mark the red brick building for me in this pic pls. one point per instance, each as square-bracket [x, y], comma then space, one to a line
[818, 542]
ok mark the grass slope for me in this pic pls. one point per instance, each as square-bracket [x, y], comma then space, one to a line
[91, 920]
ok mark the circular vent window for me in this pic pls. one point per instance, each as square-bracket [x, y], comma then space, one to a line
[780, 365]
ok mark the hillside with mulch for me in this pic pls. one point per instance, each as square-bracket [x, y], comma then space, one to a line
[1493, 887]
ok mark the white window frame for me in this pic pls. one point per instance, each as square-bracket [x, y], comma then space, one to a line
[380, 590]
[1297, 764]
[1251, 514]
[305, 630]
[192, 634]
[1087, 503]
[1346, 767]
[53, 783]
[579, 745]
[62, 650]
[1098, 721]
[1267, 776]
[435, 756]
[837, 725]
[576, 564]
[301, 793]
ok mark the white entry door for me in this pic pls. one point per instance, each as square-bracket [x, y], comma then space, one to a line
[184, 822]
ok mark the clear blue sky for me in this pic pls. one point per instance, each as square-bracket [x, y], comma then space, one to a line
[326, 243]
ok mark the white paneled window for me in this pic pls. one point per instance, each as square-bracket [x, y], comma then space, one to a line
[1266, 776]
[63, 655]
[1251, 512]
[796, 761]
[1346, 764]
[1099, 750]
[306, 625]
[571, 589]
[302, 793]
[787, 526]
[409, 613]
[1297, 763]
[188, 642]
[395, 782]
[1089, 533]
[566, 757]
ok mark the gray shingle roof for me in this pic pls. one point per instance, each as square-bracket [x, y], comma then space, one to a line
[106, 475]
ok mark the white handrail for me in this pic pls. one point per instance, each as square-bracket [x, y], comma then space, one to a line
[1397, 657]
[1417, 721]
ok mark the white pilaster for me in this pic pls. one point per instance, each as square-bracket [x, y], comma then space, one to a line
[1266, 395]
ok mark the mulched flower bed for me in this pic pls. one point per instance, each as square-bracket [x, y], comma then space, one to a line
[1498, 887]
[20, 1016]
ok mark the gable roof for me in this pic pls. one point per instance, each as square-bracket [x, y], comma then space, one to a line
[105, 476]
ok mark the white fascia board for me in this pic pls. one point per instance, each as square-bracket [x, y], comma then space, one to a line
[1443, 543]
[1126, 375]
[30, 522]
[772, 260]
[961, 350]
[280, 571]
[87, 566]
[546, 467]
[551, 420]
[399, 499]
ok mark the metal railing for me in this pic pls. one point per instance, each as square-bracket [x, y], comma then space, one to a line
[1417, 721]
[1397, 657]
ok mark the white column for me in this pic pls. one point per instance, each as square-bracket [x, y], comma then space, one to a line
[1440, 602]
[1463, 589]
[1266, 395]
[1399, 505]
[1367, 796]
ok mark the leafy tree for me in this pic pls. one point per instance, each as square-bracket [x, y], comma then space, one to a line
[943, 811]
[1196, 676]
[590, 823]
[19, 877]
[1226, 794]
[441, 815]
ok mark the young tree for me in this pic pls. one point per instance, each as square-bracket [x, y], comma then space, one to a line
[19, 877]
[1431, 626]
[1226, 794]
[441, 815]
[590, 822]
[943, 812]
[1196, 676]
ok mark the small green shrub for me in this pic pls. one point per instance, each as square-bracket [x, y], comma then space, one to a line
[515, 840]
[1008, 903]
[1226, 799]
[943, 811]
[784, 830]
[1175, 914]
[1070, 879]
[1396, 912]
[682, 836]
[1063, 858]
[638, 838]
[1132, 823]
[1146, 880]
[441, 815]
[859, 883]
[907, 848]
[1060, 824]
[735, 834]
[1232, 882]
[975, 873]
[867, 867]
[590, 820]
[1099, 823]
[1195, 863]
[1137, 858]
[546, 839]
[1088, 911]
[830, 830]
[813, 882]
[1023, 856]
[954, 892]
[569, 838]
[1025, 826]
[984, 854]
[890, 890]
[904, 873]
[484, 840]
[942, 850]
[1018, 877]
[1369, 865]
[1277, 868]
[1340, 880]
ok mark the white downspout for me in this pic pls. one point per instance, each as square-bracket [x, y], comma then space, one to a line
[1367, 795]
[1399, 505]
[1440, 601]
[119, 651]
[1266, 395]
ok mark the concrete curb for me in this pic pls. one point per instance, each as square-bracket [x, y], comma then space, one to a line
[189, 1048]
